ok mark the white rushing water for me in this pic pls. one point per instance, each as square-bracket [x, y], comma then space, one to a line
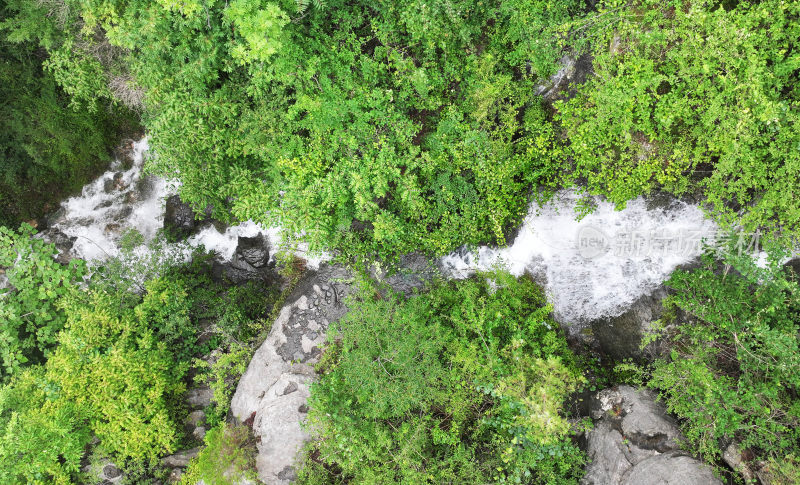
[601, 264]
[592, 268]
[120, 200]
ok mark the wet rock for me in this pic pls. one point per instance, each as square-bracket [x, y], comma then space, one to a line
[179, 219]
[112, 228]
[55, 217]
[131, 197]
[414, 270]
[635, 441]
[114, 183]
[199, 398]
[254, 250]
[620, 337]
[124, 154]
[250, 261]
[180, 459]
[62, 242]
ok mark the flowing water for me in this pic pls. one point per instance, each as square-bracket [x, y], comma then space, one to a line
[591, 268]
[124, 199]
[597, 266]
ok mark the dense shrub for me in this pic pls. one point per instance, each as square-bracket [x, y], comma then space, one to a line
[116, 374]
[732, 373]
[690, 95]
[49, 147]
[464, 384]
[42, 438]
[30, 318]
[112, 362]
[375, 127]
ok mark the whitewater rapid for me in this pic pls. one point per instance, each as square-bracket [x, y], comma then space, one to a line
[599, 265]
[592, 267]
[123, 199]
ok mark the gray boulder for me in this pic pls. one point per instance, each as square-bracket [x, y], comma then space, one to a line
[250, 261]
[620, 337]
[635, 442]
[273, 391]
[254, 250]
[670, 469]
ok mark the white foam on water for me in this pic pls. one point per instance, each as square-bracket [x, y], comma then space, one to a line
[98, 217]
[601, 264]
[121, 200]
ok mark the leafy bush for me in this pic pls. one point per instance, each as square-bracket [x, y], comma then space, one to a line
[732, 373]
[49, 147]
[112, 363]
[221, 376]
[374, 127]
[682, 100]
[42, 439]
[464, 384]
[229, 457]
[115, 374]
[30, 318]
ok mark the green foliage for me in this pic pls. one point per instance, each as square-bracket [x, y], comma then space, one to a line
[49, 147]
[117, 374]
[221, 376]
[42, 439]
[372, 126]
[29, 316]
[682, 99]
[137, 262]
[732, 373]
[229, 457]
[464, 384]
[112, 362]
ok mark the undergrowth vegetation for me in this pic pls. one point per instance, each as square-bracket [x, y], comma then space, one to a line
[116, 360]
[731, 374]
[462, 384]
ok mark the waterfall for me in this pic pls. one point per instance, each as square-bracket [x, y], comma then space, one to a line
[123, 199]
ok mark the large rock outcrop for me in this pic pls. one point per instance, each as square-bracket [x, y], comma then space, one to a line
[273, 391]
[635, 442]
